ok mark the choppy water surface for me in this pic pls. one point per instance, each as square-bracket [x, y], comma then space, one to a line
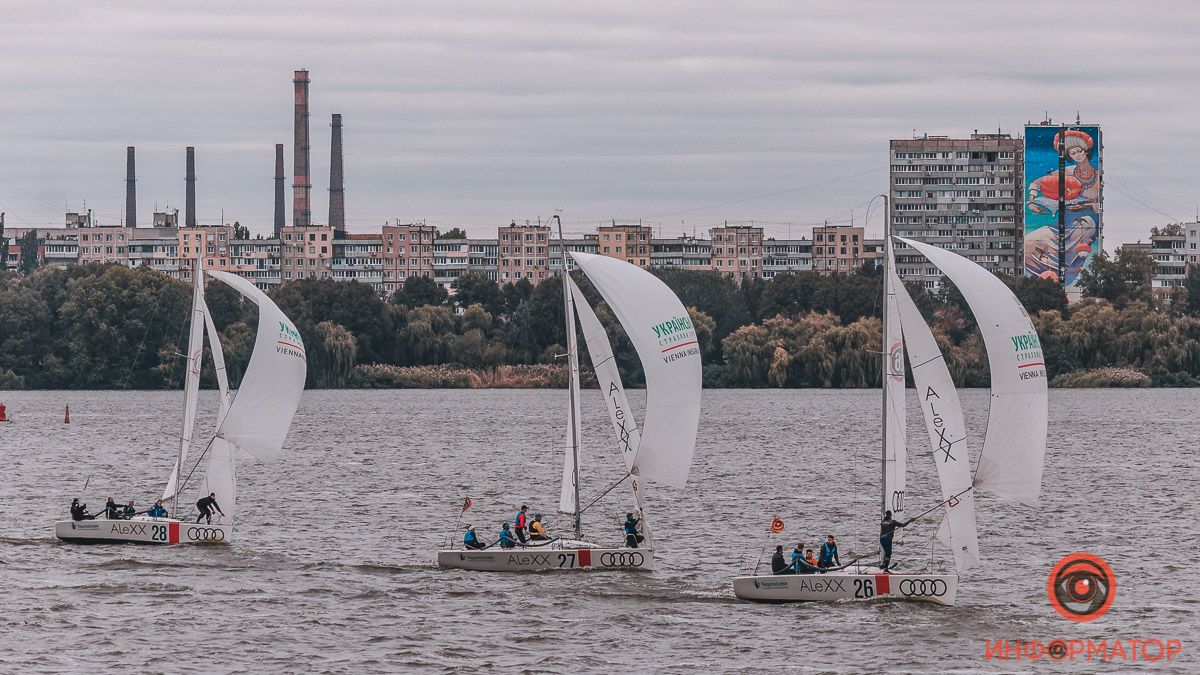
[332, 565]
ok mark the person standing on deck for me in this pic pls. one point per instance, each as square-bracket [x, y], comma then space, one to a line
[206, 507]
[887, 529]
[519, 523]
[632, 536]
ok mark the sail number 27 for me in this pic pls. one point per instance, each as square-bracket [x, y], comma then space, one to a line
[864, 588]
[566, 559]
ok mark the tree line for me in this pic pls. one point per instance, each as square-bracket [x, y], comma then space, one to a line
[107, 326]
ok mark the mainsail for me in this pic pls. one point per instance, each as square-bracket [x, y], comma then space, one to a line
[661, 331]
[1014, 447]
[895, 416]
[567, 499]
[947, 431]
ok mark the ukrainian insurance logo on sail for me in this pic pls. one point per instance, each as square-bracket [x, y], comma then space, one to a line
[1081, 587]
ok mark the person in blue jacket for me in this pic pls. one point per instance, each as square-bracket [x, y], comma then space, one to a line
[829, 554]
[157, 511]
[506, 538]
[632, 536]
[471, 540]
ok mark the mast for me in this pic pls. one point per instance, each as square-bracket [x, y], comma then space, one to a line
[573, 373]
[189, 400]
[885, 371]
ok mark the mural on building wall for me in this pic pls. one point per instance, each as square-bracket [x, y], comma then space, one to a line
[1082, 196]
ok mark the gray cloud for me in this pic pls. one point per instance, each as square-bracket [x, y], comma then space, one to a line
[472, 113]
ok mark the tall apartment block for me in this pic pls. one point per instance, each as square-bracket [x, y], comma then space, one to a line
[737, 251]
[524, 253]
[407, 252]
[963, 195]
[630, 243]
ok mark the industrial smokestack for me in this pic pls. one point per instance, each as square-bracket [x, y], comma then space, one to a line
[130, 190]
[301, 209]
[189, 207]
[337, 192]
[279, 196]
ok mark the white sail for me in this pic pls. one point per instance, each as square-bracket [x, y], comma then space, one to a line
[191, 381]
[947, 430]
[895, 450]
[661, 331]
[566, 498]
[261, 411]
[218, 355]
[1014, 447]
[609, 378]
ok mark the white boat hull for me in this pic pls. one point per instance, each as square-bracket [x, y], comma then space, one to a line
[141, 531]
[837, 586]
[542, 559]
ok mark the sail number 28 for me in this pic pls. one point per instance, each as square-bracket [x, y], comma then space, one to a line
[158, 532]
[566, 559]
[864, 588]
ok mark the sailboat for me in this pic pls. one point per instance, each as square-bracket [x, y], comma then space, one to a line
[662, 333]
[252, 421]
[1014, 444]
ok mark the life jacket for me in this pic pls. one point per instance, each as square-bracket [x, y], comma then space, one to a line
[827, 552]
[470, 537]
[520, 520]
[536, 528]
[630, 527]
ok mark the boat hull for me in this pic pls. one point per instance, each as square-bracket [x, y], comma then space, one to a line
[161, 531]
[535, 559]
[940, 589]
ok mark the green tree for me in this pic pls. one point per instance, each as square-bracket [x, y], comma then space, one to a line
[333, 355]
[240, 231]
[453, 233]
[29, 252]
[475, 288]
[1037, 294]
[1191, 285]
[418, 292]
[1122, 280]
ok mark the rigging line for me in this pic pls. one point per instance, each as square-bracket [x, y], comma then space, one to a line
[1130, 193]
[1109, 156]
[773, 194]
[602, 494]
[137, 353]
[180, 485]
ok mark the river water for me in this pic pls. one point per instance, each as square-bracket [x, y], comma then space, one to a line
[332, 566]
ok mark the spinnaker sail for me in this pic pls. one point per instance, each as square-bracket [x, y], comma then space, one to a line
[1014, 446]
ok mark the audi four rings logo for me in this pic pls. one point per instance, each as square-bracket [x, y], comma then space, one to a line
[923, 588]
[205, 534]
[621, 559]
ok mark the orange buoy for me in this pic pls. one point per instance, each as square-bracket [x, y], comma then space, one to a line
[67, 415]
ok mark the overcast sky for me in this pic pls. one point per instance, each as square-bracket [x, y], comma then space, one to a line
[681, 114]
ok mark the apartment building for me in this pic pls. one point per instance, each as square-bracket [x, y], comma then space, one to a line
[963, 195]
[524, 253]
[157, 248]
[737, 250]
[451, 260]
[257, 261]
[786, 255]
[102, 243]
[305, 252]
[588, 243]
[631, 243]
[359, 257]
[683, 252]
[407, 252]
[839, 249]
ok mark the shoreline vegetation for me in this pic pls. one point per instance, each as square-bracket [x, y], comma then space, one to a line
[107, 326]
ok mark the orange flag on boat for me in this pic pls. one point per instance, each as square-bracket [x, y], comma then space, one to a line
[466, 505]
[776, 525]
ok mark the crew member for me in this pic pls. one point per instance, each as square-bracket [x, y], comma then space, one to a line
[810, 562]
[471, 540]
[536, 531]
[111, 510]
[80, 512]
[632, 536]
[157, 511]
[128, 511]
[506, 538]
[887, 528]
[798, 559]
[206, 506]
[519, 523]
[778, 564]
[829, 554]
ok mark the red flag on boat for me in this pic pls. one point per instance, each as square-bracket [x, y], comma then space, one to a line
[776, 525]
[466, 505]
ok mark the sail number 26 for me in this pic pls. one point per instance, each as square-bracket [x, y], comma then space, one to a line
[864, 588]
